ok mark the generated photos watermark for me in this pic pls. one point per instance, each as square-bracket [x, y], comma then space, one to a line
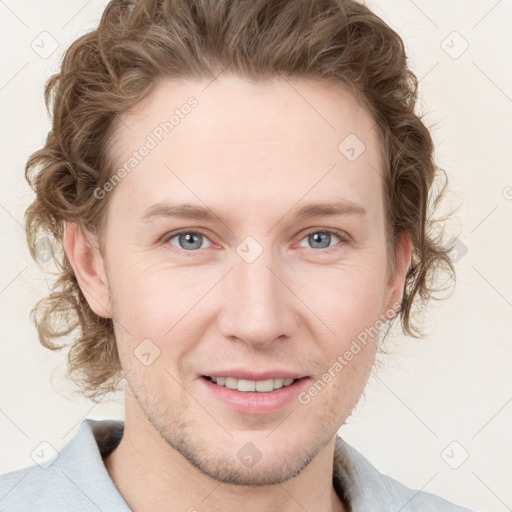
[151, 142]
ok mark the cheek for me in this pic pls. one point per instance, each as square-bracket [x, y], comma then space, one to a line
[154, 296]
[347, 298]
[160, 312]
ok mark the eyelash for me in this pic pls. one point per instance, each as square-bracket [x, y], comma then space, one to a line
[343, 237]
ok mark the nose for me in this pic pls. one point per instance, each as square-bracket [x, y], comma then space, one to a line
[257, 303]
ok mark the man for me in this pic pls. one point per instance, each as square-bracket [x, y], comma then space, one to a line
[240, 191]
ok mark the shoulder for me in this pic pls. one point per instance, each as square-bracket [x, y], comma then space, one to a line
[28, 489]
[366, 489]
[76, 479]
[414, 500]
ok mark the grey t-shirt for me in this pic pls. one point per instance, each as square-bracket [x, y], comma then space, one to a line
[77, 480]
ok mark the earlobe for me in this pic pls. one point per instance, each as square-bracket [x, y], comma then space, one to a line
[89, 269]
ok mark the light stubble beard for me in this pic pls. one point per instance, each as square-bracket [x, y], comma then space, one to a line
[182, 435]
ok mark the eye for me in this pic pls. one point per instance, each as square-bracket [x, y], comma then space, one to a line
[191, 241]
[187, 240]
[321, 239]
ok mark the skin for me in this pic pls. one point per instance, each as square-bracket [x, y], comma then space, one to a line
[254, 153]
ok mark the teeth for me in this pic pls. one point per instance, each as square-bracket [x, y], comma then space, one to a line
[263, 386]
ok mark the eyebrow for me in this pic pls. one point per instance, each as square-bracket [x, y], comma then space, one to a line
[190, 211]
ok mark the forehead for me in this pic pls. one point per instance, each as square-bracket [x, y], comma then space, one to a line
[231, 138]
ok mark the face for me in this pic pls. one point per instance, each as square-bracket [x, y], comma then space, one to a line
[236, 273]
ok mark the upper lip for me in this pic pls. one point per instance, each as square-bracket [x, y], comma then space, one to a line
[240, 373]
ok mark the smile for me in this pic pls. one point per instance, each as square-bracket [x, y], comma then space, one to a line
[245, 385]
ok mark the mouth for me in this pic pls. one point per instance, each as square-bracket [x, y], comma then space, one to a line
[267, 395]
[247, 386]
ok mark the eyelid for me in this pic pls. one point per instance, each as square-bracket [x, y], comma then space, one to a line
[332, 231]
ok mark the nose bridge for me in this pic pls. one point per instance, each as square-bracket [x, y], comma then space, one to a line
[257, 306]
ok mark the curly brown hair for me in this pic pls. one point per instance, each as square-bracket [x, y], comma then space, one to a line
[107, 71]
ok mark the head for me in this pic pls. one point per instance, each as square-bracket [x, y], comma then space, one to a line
[237, 116]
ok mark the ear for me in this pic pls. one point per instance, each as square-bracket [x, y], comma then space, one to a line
[89, 268]
[396, 282]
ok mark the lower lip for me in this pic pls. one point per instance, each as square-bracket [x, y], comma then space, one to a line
[254, 402]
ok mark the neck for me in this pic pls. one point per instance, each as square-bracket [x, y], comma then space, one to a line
[152, 475]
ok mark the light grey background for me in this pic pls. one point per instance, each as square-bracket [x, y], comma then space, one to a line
[435, 400]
